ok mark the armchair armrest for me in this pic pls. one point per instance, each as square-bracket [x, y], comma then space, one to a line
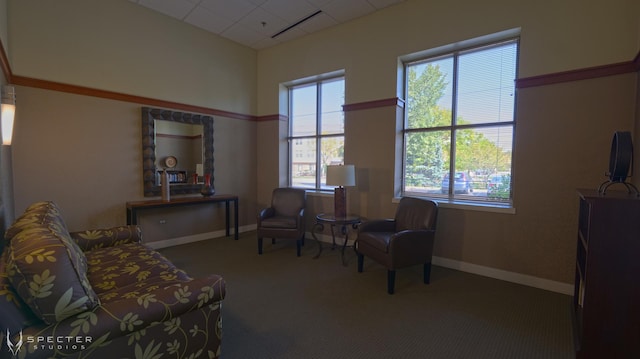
[266, 213]
[379, 225]
[411, 246]
[107, 237]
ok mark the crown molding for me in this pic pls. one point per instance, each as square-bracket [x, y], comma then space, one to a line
[579, 74]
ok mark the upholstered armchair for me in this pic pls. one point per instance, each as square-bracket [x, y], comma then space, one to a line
[284, 218]
[404, 241]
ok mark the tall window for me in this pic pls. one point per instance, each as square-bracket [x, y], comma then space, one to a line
[459, 124]
[316, 132]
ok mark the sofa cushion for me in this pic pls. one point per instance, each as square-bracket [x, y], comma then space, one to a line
[14, 312]
[47, 268]
[33, 216]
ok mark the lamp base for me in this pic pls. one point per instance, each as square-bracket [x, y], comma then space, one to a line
[340, 202]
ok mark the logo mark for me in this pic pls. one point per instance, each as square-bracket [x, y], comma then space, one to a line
[14, 348]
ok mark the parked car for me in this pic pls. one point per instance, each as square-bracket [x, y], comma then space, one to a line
[499, 185]
[461, 183]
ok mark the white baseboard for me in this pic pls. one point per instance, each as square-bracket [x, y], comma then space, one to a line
[531, 281]
[197, 237]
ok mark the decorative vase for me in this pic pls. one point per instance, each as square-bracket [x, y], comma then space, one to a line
[165, 189]
[207, 190]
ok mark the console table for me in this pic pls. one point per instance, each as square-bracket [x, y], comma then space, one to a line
[134, 207]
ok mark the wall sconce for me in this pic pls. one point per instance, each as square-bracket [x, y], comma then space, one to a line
[8, 113]
[341, 176]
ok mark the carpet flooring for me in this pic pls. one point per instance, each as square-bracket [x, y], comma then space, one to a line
[279, 306]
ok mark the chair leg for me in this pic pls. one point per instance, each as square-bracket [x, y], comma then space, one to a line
[259, 245]
[360, 262]
[391, 281]
[427, 273]
[298, 246]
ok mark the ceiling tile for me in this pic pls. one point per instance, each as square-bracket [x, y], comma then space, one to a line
[263, 22]
[291, 11]
[291, 34]
[253, 22]
[240, 33]
[233, 10]
[319, 3]
[344, 11]
[208, 20]
[318, 22]
[379, 4]
[174, 8]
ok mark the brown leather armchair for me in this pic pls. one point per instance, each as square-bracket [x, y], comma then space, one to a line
[404, 241]
[284, 218]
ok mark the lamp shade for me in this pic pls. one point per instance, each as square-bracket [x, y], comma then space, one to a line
[341, 175]
[8, 113]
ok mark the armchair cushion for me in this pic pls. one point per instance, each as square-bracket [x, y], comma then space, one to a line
[280, 222]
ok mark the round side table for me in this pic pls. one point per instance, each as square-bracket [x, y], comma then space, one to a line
[341, 222]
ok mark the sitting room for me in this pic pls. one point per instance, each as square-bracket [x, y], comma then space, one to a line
[163, 130]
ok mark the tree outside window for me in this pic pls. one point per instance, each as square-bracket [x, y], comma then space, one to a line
[459, 124]
[316, 136]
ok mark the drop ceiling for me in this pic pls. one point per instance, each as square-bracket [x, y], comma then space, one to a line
[263, 23]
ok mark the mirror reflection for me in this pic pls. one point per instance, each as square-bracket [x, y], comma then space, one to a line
[180, 142]
[179, 151]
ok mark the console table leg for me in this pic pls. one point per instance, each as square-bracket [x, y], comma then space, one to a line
[235, 220]
[226, 212]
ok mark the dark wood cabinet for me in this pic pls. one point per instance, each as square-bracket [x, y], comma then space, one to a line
[607, 280]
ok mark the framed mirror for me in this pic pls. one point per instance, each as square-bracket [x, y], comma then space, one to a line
[179, 142]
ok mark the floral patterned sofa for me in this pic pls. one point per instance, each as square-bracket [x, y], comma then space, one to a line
[100, 294]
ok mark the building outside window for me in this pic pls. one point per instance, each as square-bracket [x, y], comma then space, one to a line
[316, 131]
[460, 123]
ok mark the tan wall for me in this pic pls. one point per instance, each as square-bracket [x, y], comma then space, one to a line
[85, 152]
[124, 47]
[563, 132]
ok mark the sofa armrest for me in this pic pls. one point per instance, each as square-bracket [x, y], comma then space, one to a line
[107, 237]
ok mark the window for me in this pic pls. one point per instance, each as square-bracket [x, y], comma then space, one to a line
[316, 131]
[459, 124]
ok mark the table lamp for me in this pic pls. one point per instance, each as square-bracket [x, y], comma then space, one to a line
[341, 176]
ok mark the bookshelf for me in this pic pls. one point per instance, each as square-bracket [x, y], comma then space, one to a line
[607, 290]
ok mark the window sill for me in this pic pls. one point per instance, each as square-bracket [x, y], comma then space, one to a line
[444, 203]
[505, 208]
[318, 193]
